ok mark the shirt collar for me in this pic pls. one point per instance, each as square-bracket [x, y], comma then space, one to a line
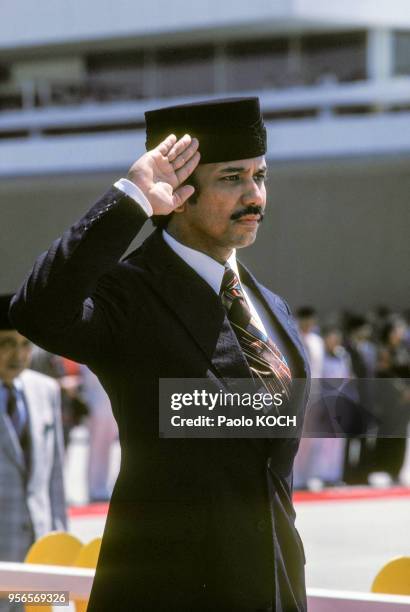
[209, 269]
[17, 384]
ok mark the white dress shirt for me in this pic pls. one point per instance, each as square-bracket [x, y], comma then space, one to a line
[135, 193]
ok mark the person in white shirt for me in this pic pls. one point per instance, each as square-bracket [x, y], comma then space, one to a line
[305, 467]
[308, 327]
[103, 433]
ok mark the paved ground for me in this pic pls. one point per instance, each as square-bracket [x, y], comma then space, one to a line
[346, 541]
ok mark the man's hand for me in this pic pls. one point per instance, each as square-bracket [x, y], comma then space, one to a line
[160, 172]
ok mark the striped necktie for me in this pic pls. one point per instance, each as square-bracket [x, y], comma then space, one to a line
[264, 358]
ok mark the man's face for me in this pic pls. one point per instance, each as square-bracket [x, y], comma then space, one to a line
[397, 334]
[364, 332]
[15, 354]
[228, 209]
[332, 340]
[307, 324]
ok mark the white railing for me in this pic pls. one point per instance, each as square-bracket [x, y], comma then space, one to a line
[78, 582]
[30, 577]
[322, 101]
[326, 600]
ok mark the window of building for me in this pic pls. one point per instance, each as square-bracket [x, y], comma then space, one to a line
[336, 57]
[184, 71]
[116, 74]
[5, 73]
[402, 53]
[261, 64]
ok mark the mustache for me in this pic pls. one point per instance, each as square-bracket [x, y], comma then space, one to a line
[249, 210]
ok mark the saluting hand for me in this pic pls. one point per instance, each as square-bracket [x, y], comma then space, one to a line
[160, 172]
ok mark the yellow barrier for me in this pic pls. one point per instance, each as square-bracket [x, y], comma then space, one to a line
[55, 548]
[393, 578]
[61, 548]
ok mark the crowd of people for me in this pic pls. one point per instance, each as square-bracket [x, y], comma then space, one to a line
[373, 352]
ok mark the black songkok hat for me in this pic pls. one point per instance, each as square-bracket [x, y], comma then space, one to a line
[5, 322]
[227, 129]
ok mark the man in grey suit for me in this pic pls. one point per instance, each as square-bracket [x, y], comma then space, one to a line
[31, 448]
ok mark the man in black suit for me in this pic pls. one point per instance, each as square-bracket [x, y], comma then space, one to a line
[193, 524]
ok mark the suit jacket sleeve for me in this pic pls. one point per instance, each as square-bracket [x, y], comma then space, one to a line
[61, 306]
[56, 488]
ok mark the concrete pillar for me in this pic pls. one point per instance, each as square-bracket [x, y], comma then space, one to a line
[295, 63]
[220, 69]
[149, 87]
[380, 54]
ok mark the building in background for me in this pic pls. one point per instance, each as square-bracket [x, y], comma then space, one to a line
[334, 84]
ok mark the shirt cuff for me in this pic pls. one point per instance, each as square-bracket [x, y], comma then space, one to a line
[134, 192]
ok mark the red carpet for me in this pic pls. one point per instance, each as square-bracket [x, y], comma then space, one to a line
[88, 511]
[350, 494]
[327, 495]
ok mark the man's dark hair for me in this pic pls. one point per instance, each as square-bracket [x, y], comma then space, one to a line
[306, 312]
[5, 321]
[355, 322]
[161, 221]
[326, 330]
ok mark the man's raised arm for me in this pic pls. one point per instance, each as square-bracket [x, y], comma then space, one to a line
[58, 306]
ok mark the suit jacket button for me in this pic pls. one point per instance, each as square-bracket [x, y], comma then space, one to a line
[261, 526]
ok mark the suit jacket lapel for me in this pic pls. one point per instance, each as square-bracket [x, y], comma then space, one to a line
[196, 305]
[9, 441]
[273, 304]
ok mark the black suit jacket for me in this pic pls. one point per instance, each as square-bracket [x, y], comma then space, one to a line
[204, 524]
